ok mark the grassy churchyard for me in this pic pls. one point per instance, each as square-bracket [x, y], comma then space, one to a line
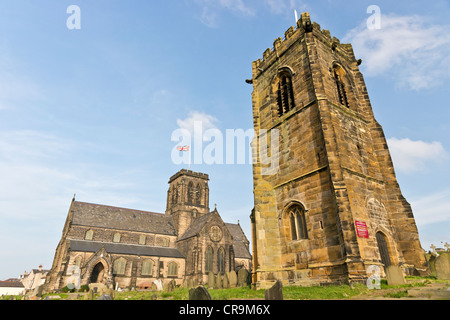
[416, 288]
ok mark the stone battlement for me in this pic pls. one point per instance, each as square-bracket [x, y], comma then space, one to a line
[304, 25]
[184, 172]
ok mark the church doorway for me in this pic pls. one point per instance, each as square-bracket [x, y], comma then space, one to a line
[384, 250]
[97, 273]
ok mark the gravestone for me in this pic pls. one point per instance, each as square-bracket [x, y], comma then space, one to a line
[394, 275]
[199, 293]
[158, 285]
[232, 278]
[242, 278]
[274, 293]
[105, 297]
[431, 263]
[91, 295]
[218, 282]
[171, 285]
[211, 279]
[226, 283]
[442, 266]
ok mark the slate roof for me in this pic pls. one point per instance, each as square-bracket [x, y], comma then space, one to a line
[96, 215]
[11, 284]
[122, 248]
[196, 226]
[239, 247]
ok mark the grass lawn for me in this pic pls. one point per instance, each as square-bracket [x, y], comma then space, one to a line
[289, 292]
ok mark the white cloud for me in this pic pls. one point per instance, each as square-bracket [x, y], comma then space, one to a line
[410, 156]
[212, 8]
[407, 48]
[195, 118]
[432, 208]
[285, 6]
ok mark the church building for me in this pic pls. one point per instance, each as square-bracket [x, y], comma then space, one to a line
[129, 248]
[331, 211]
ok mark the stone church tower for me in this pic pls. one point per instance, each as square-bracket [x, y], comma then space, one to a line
[187, 198]
[333, 206]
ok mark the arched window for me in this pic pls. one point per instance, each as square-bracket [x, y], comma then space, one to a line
[297, 223]
[339, 75]
[190, 193]
[285, 94]
[221, 260]
[119, 266]
[147, 268]
[175, 195]
[89, 235]
[209, 259]
[198, 195]
[116, 237]
[173, 269]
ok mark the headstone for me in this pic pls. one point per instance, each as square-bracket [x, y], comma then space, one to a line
[211, 279]
[274, 293]
[199, 293]
[431, 262]
[218, 282]
[158, 285]
[105, 297]
[232, 278]
[442, 266]
[97, 287]
[242, 277]
[171, 285]
[394, 275]
[91, 295]
[226, 282]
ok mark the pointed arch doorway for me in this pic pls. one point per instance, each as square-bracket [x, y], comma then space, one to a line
[98, 273]
[383, 249]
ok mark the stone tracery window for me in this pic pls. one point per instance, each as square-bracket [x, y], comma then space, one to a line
[297, 223]
[119, 266]
[209, 259]
[221, 260]
[147, 267]
[173, 269]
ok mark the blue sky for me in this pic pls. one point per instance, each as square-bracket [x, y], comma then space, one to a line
[91, 111]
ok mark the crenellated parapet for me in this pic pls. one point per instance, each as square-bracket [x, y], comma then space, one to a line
[304, 26]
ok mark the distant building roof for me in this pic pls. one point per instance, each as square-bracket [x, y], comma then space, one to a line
[239, 240]
[195, 226]
[11, 284]
[96, 215]
[122, 248]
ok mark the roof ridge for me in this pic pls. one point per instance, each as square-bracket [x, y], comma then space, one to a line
[122, 208]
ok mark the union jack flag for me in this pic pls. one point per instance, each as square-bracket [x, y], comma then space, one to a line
[184, 148]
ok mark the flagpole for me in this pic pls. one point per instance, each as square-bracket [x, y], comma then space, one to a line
[189, 168]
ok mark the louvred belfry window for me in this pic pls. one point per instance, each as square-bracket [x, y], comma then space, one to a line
[285, 94]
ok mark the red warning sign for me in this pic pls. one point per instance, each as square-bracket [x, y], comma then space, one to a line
[361, 229]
